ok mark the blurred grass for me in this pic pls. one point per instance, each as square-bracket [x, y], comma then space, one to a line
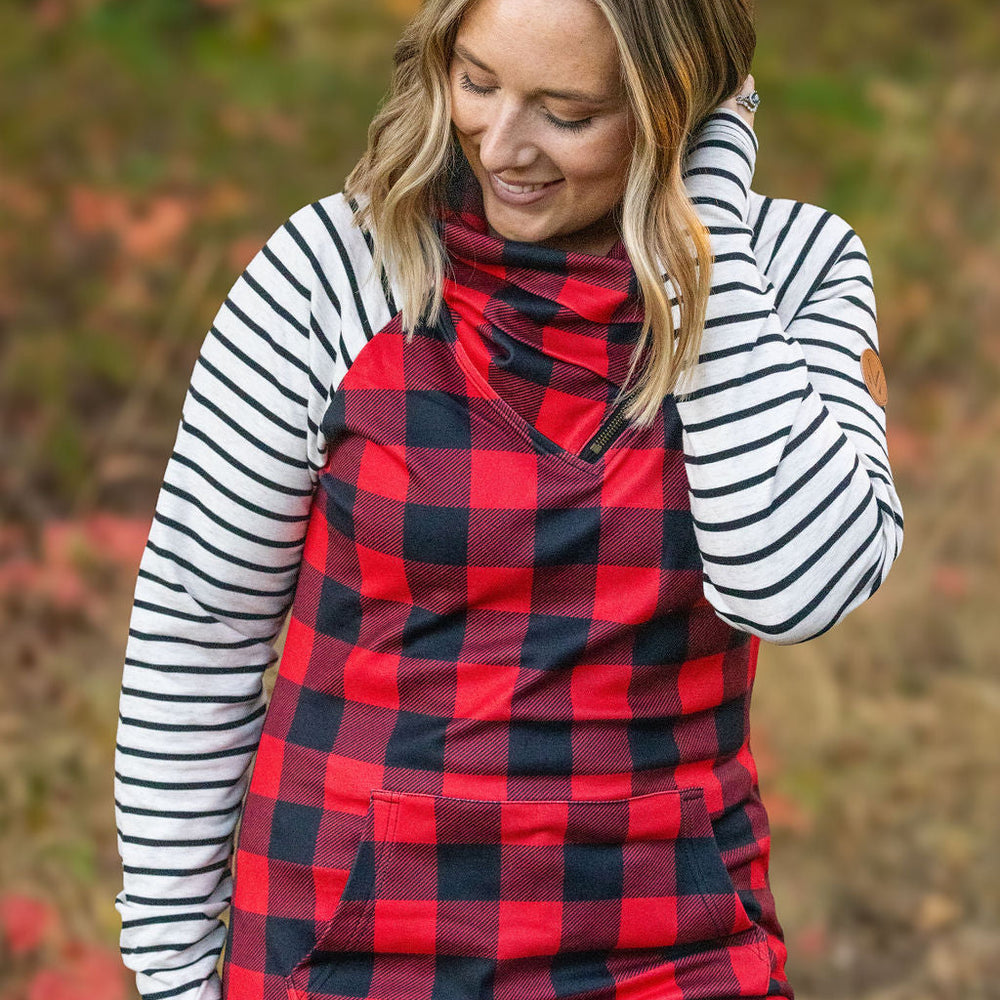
[149, 147]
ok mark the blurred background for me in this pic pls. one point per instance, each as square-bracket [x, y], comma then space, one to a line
[147, 150]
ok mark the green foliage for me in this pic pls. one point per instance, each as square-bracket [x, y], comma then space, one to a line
[113, 104]
[150, 146]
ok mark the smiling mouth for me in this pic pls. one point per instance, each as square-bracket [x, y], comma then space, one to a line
[521, 188]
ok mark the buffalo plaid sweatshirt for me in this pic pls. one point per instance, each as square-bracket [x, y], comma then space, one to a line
[791, 504]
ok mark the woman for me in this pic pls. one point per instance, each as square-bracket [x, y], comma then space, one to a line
[507, 752]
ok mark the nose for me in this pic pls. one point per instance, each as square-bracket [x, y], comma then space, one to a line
[505, 143]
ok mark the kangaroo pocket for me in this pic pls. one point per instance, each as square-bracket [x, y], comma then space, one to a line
[486, 899]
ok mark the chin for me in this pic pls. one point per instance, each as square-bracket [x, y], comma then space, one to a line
[518, 236]
[520, 233]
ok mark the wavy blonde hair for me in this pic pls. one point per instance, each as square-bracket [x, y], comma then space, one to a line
[679, 60]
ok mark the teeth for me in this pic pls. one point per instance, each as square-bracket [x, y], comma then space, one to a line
[519, 188]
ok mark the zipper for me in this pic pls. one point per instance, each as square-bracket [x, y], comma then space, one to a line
[602, 440]
[605, 434]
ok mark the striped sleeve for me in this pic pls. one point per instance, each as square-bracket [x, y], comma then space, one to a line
[794, 507]
[215, 581]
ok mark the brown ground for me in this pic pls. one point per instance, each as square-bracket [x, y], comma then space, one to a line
[124, 219]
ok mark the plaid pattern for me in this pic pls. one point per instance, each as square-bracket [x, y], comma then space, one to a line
[456, 897]
[507, 752]
[551, 333]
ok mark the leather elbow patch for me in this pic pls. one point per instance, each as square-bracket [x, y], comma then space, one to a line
[874, 375]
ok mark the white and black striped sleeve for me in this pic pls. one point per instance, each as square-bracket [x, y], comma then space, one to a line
[215, 581]
[795, 510]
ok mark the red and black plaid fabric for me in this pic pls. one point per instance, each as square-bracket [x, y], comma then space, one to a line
[507, 752]
[551, 332]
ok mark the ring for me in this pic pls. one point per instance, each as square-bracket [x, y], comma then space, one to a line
[750, 101]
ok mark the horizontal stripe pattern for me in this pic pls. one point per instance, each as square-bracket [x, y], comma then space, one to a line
[792, 497]
[791, 493]
[216, 580]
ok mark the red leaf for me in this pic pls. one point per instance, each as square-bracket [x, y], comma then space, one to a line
[118, 539]
[26, 922]
[152, 230]
[52, 984]
[786, 813]
[99, 973]
[813, 941]
[950, 581]
[89, 972]
[908, 450]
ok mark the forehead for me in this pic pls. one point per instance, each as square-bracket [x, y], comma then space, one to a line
[543, 43]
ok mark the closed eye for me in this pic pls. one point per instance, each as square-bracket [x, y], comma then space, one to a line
[466, 84]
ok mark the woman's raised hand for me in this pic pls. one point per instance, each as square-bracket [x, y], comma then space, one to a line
[746, 87]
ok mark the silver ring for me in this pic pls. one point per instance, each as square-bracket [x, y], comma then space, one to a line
[750, 101]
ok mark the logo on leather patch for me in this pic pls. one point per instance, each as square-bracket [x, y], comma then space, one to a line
[874, 374]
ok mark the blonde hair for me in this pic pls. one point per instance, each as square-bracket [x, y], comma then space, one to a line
[679, 60]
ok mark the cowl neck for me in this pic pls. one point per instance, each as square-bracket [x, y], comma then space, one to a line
[577, 308]
[551, 332]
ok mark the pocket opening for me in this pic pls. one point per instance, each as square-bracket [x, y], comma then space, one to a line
[360, 889]
[714, 881]
[426, 856]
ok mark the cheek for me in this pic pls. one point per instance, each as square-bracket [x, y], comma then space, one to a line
[615, 158]
[603, 165]
[463, 113]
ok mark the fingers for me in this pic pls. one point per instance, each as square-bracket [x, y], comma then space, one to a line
[747, 87]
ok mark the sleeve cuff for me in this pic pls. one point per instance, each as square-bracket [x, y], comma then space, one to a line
[719, 167]
[732, 121]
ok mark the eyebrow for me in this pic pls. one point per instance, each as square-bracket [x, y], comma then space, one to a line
[564, 95]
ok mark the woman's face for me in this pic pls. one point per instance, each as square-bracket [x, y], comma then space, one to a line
[537, 99]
